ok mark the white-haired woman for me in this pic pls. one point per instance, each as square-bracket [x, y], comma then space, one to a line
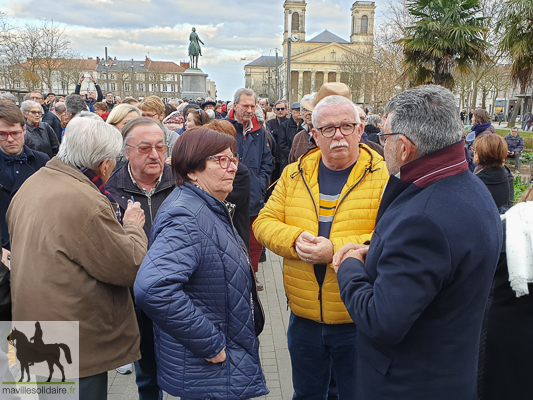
[72, 259]
[39, 135]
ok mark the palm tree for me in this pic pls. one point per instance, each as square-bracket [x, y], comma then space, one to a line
[445, 38]
[516, 27]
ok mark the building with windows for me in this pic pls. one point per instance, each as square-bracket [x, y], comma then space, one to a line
[323, 58]
[140, 79]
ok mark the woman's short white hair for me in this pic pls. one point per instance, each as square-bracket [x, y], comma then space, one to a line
[27, 105]
[88, 142]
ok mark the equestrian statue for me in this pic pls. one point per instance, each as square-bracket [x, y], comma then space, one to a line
[194, 48]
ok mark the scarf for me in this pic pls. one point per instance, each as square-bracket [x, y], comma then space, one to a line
[519, 246]
[10, 160]
[478, 128]
[99, 183]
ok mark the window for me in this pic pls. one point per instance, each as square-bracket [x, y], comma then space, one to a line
[364, 24]
[113, 86]
[112, 76]
[140, 87]
[164, 88]
[127, 87]
[172, 88]
[295, 22]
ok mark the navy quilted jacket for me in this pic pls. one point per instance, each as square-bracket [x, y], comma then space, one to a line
[195, 285]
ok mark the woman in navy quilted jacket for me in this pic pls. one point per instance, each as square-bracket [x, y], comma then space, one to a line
[196, 283]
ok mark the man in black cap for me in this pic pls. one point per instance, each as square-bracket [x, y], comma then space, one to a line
[210, 104]
[288, 131]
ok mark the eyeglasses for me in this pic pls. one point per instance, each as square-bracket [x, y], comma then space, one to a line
[35, 112]
[34, 98]
[149, 115]
[383, 138]
[224, 161]
[346, 129]
[146, 148]
[251, 106]
[306, 111]
[15, 135]
[280, 109]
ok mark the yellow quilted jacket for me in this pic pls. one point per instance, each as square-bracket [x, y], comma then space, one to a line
[293, 209]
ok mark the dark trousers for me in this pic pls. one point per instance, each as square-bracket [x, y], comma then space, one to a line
[255, 247]
[146, 367]
[517, 158]
[90, 388]
[317, 349]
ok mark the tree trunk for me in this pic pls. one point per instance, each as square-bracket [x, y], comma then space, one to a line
[512, 121]
[474, 96]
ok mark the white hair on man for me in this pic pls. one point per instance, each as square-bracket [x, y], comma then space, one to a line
[211, 114]
[333, 101]
[88, 142]
[88, 114]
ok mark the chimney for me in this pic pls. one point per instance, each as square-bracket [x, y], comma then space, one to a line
[90, 58]
[97, 60]
[185, 65]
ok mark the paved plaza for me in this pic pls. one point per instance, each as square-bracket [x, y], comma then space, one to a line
[273, 351]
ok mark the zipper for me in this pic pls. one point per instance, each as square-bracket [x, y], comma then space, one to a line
[150, 207]
[320, 299]
[310, 194]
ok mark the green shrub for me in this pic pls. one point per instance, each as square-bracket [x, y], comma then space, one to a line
[519, 188]
[527, 157]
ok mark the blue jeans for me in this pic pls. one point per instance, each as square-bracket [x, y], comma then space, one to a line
[146, 367]
[317, 349]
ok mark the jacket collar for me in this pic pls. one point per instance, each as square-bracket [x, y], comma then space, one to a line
[445, 162]
[125, 183]
[213, 203]
[309, 162]
[57, 165]
[255, 123]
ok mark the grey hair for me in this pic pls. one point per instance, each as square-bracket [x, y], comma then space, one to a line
[8, 96]
[259, 114]
[373, 120]
[88, 114]
[87, 143]
[428, 115]
[285, 102]
[246, 92]
[60, 107]
[27, 105]
[307, 97]
[333, 101]
[211, 114]
[230, 104]
[75, 104]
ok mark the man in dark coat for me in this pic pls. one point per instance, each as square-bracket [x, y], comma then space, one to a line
[146, 179]
[282, 110]
[91, 99]
[254, 152]
[17, 163]
[289, 129]
[515, 146]
[417, 295]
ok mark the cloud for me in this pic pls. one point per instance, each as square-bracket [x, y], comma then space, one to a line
[160, 29]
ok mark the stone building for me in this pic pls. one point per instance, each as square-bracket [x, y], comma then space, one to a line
[324, 58]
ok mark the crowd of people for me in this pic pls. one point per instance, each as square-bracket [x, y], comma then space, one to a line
[146, 222]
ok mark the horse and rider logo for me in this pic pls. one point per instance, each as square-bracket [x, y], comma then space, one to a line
[30, 352]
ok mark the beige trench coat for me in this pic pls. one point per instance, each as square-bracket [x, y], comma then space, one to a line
[71, 260]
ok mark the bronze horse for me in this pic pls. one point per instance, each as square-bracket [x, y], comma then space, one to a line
[194, 48]
[28, 352]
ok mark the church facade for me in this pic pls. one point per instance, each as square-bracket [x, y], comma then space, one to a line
[324, 58]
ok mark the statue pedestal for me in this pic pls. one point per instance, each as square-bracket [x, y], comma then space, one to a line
[194, 82]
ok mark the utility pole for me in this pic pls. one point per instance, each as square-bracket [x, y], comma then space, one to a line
[289, 41]
[106, 65]
[132, 80]
[277, 76]
[269, 82]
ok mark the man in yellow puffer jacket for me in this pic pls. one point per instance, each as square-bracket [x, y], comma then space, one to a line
[328, 198]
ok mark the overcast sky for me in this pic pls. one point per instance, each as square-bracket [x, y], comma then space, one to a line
[159, 29]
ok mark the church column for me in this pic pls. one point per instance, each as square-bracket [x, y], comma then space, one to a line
[300, 86]
[313, 81]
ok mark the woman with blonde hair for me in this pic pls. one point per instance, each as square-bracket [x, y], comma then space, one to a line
[122, 114]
